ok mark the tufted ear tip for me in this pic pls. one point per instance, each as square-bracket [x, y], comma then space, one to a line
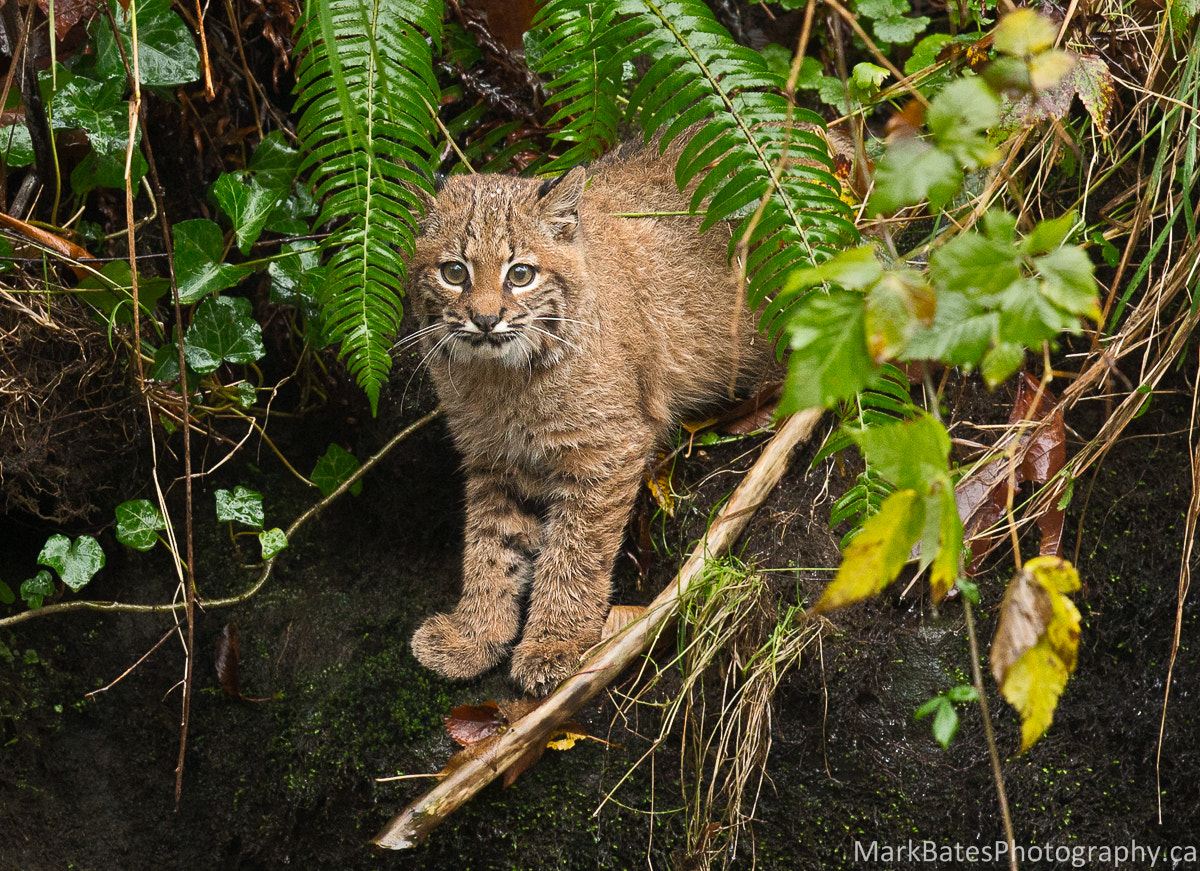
[558, 200]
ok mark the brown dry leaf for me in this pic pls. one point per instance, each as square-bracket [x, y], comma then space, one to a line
[470, 724]
[658, 480]
[620, 616]
[1041, 452]
[1088, 78]
[1036, 644]
[906, 123]
[526, 761]
[67, 13]
[226, 660]
[46, 239]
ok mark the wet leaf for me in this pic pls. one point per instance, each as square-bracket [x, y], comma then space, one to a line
[620, 616]
[75, 561]
[334, 467]
[470, 724]
[875, 556]
[16, 146]
[37, 588]
[242, 505]
[272, 541]
[138, 524]
[222, 331]
[199, 252]
[67, 13]
[167, 52]
[57, 244]
[1034, 650]
[227, 661]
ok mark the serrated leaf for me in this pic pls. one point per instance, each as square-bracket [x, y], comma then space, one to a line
[961, 333]
[947, 565]
[976, 266]
[222, 331]
[75, 561]
[875, 556]
[272, 542]
[959, 117]
[829, 360]
[37, 588]
[912, 454]
[1068, 280]
[1036, 643]
[335, 466]
[1024, 32]
[900, 29]
[865, 80]
[1001, 361]
[241, 506]
[912, 171]
[138, 524]
[199, 268]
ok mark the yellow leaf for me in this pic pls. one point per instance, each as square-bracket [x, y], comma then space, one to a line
[658, 480]
[1024, 32]
[1037, 642]
[1050, 68]
[1033, 686]
[561, 740]
[875, 556]
[946, 565]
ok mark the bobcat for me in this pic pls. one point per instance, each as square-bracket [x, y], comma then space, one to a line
[567, 325]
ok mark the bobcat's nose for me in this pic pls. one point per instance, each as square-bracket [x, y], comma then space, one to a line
[486, 323]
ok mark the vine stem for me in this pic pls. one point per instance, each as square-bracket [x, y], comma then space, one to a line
[993, 751]
[313, 511]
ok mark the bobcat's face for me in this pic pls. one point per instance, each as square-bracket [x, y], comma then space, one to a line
[494, 269]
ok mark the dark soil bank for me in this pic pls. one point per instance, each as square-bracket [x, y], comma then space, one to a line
[852, 780]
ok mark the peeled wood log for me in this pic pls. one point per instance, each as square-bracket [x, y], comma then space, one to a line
[414, 823]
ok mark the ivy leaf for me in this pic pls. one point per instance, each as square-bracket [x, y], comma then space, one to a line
[272, 542]
[242, 505]
[251, 197]
[829, 360]
[96, 108]
[138, 524]
[37, 588]
[199, 246]
[875, 556]
[76, 562]
[335, 466]
[166, 49]
[16, 148]
[222, 331]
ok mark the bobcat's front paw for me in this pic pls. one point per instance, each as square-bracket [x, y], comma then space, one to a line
[539, 665]
[452, 650]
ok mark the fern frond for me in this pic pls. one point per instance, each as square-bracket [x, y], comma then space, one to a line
[698, 73]
[580, 54]
[365, 87]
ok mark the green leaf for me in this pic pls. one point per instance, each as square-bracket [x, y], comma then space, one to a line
[222, 331]
[138, 524]
[865, 81]
[116, 303]
[961, 333]
[96, 108]
[167, 52]
[829, 360]
[37, 588]
[959, 117]
[242, 505]
[963, 694]
[947, 538]
[945, 724]
[199, 248]
[925, 52]
[929, 707]
[16, 148]
[272, 542]
[1048, 235]
[1001, 361]
[976, 266]
[76, 562]
[248, 203]
[875, 556]
[900, 29]
[912, 171]
[98, 170]
[1068, 280]
[912, 454]
[335, 466]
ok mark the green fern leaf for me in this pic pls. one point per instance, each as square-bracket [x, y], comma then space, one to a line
[366, 89]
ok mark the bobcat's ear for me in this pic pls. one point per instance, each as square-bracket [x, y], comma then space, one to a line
[558, 202]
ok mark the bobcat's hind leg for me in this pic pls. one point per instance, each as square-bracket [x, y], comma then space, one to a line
[501, 538]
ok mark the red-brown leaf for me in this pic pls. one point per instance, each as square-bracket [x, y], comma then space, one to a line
[470, 724]
[227, 660]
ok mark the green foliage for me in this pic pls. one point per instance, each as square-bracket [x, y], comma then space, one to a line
[167, 52]
[75, 561]
[366, 92]
[222, 331]
[334, 467]
[945, 717]
[138, 524]
[242, 506]
[38, 588]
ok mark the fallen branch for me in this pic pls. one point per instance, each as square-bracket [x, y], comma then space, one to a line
[411, 826]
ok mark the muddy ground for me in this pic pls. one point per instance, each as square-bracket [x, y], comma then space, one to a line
[87, 782]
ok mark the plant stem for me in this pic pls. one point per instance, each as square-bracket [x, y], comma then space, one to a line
[993, 752]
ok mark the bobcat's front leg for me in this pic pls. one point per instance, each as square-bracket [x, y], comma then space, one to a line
[573, 577]
[501, 536]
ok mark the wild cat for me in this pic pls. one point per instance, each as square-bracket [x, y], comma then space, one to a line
[568, 324]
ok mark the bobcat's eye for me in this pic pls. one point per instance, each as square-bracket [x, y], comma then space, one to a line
[520, 274]
[454, 272]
